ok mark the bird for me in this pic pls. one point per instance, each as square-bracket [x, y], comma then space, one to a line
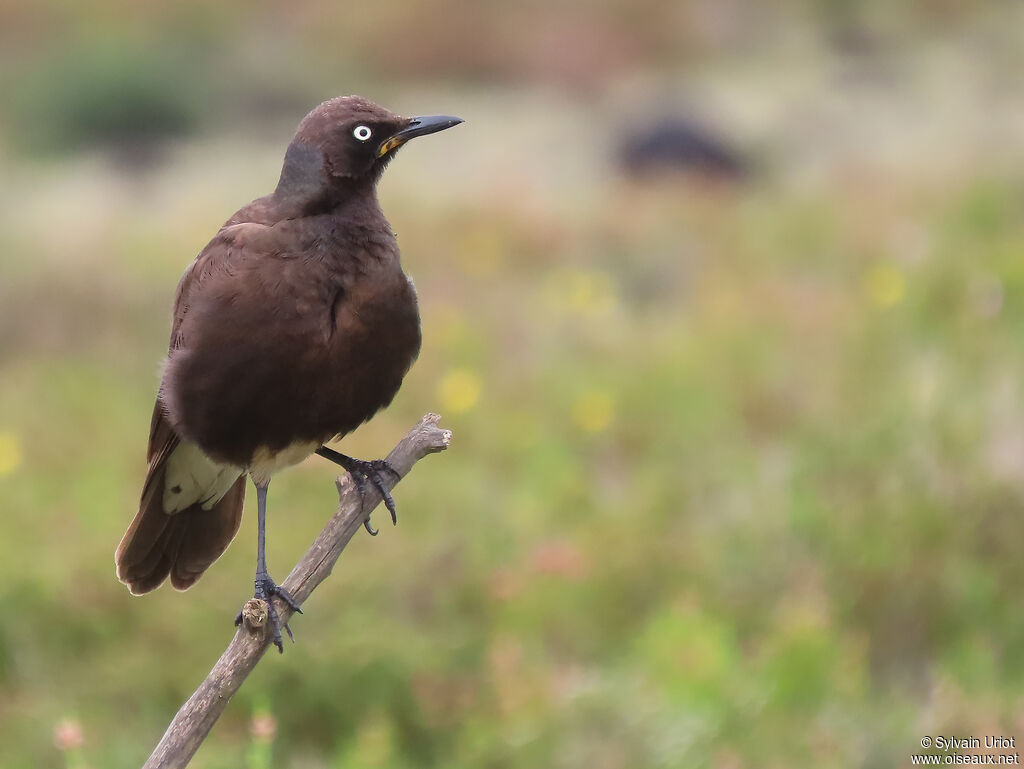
[680, 144]
[292, 327]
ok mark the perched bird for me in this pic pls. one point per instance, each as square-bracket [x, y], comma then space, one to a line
[292, 327]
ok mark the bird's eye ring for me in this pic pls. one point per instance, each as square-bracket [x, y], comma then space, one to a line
[362, 133]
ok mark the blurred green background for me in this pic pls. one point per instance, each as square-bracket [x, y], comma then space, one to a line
[738, 464]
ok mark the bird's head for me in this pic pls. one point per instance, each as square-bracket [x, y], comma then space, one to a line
[347, 142]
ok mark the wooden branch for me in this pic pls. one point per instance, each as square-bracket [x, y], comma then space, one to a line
[198, 715]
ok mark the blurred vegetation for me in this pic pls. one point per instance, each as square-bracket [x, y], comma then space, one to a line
[106, 93]
[738, 471]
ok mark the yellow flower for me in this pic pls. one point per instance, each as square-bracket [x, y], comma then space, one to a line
[459, 390]
[885, 285]
[583, 292]
[10, 453]
[591, 291]
[593, 411]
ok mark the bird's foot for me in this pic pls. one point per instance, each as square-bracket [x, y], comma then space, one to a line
[266, 589]
[362, 471]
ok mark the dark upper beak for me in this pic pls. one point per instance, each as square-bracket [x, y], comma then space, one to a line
[418, 126]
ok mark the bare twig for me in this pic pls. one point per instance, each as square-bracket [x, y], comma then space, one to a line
[197, 716]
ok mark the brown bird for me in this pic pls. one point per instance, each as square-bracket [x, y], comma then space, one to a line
[292, 327]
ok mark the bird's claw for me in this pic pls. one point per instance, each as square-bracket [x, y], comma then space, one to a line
[362, 471]
[266, 589]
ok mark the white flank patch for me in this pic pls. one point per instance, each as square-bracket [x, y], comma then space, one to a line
[266, 462]
[192, 477]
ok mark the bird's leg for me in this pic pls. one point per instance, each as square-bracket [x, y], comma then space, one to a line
[361, 471]
[266, 588]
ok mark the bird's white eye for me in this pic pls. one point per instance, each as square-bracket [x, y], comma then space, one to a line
[362, 133]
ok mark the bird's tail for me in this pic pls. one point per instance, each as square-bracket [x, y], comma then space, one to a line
[181, 545]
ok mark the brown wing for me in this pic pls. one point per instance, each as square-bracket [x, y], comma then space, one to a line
[219, 256]
[185, 544]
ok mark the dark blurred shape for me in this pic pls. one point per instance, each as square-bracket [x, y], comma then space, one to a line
[680, 145]
[111, 95]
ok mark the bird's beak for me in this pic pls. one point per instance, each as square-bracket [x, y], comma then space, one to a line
[418, 126]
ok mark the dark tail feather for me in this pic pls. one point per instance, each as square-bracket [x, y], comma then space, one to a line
[207, 534]
[183, 545]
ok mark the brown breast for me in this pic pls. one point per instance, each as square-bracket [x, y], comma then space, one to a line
[279, 348]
